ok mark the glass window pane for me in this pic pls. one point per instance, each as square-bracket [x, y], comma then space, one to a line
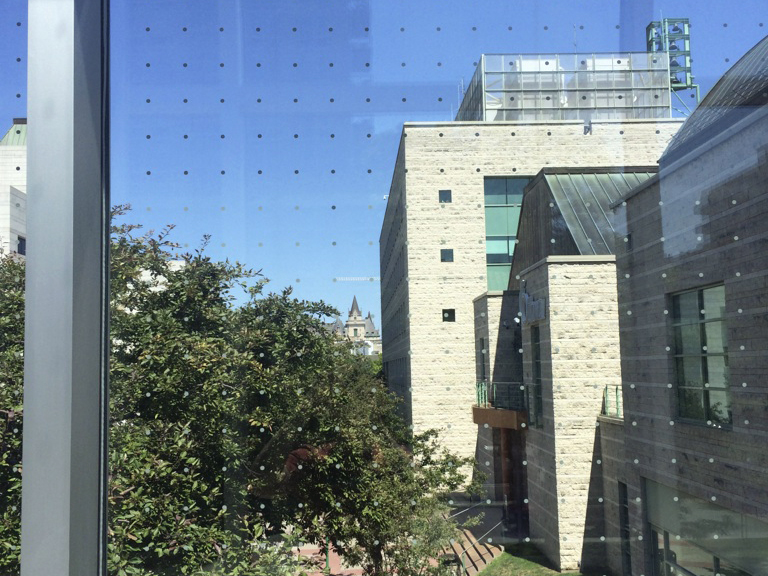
[728, 569]
[714, 302]
[690, 557]
[716, 341]
[498, 276]
[691, 403]
[495, 191]
[515, 188]
[688, 339]
[686, 307]
[496, 221]
[719, 405]
[496, 245]
[689, 371]
[717, 371]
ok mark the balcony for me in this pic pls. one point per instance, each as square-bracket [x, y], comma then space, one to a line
[500, 405]
[613, 406]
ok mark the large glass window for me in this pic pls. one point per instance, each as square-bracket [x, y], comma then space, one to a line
[701, 355]
[503, 201]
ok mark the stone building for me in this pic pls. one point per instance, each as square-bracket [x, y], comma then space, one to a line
[361, 331]
[13, 188]
[450, 225]
[637, 328]
[693, 310]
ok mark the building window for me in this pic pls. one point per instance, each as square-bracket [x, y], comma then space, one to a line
[22, 246]
[449, 315]
[701, 355]
[535, 401]
[355, 331]
[503, 199]
[444, 196]
[446, 255]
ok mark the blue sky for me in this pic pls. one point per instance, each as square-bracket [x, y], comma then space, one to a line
[278, 118]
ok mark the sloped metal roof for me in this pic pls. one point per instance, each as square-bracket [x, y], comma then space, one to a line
[17, 134]
[742, 90]
[584, 198]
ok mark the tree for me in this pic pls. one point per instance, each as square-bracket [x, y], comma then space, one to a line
[235, 419]
[11, 414]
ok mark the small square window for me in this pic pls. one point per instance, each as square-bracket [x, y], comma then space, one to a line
[22, 246]
[449, 315]
[446, 255]
[444, 196]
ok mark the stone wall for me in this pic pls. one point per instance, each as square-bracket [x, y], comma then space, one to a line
[580, 356]
[703, 223]
[458, 156]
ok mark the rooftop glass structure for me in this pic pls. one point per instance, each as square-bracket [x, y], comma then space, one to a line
[526, 87]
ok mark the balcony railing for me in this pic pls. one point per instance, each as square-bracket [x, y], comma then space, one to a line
[612, 402]
[504, 395]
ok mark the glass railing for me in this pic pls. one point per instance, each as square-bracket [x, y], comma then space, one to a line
[504, 395]
[612, 402]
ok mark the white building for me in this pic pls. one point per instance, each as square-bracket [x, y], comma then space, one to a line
[13, 188]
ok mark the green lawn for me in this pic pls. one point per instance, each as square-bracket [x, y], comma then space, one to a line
[522, 560]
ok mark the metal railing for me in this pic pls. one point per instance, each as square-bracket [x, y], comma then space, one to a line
[612, 402]
[504, 395]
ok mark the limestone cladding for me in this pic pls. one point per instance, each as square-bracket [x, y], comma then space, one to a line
[458, 156]
[579, 357]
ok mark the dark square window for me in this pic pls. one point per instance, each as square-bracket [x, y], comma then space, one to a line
[449, 315]
[446, 255]
[444, 196]
[22, 246]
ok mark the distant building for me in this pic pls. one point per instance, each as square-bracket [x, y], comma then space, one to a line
[13, 188]
[360, 331]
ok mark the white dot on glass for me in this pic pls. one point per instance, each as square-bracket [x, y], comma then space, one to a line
[674, 460]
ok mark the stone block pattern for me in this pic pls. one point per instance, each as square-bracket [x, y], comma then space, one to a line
[458, 156]
[580, 356]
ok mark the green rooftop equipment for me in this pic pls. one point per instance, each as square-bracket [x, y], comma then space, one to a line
[673, 37]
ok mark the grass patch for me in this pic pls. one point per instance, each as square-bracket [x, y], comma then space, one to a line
[522, 560]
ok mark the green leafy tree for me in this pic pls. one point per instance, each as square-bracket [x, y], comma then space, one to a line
[11, 414]
[236, 419]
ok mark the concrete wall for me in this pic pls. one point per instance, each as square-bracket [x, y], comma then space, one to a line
[458, 156]
[703, 223]
[13, 197]
[580, 355]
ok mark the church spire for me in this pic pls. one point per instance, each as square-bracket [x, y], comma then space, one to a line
[355, 311]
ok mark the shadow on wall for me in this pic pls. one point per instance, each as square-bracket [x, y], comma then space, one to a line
[593, 550]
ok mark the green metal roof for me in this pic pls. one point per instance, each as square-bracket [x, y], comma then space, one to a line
[17, 134]
[584, 197]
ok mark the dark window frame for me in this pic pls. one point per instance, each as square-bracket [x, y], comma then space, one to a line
[449, 315]
[680, 358]
[445, 196]
[446, 255]
[535, 396]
